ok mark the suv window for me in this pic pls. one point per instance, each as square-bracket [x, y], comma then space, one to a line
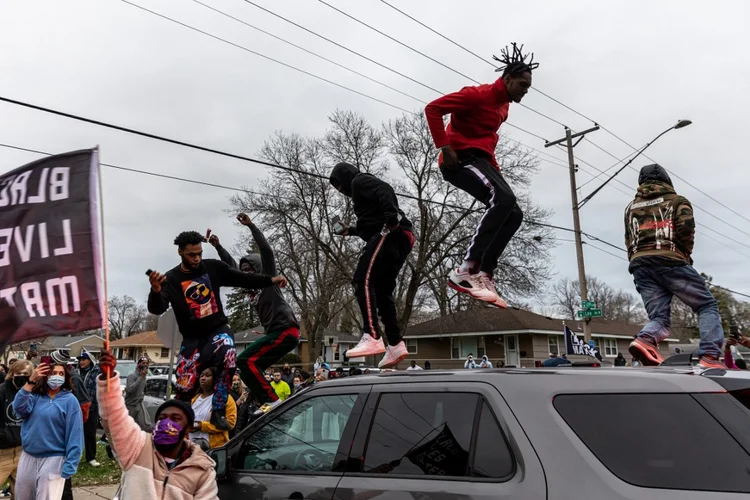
[492, 455]
[430, 434]
[658, 440]
[304, 438]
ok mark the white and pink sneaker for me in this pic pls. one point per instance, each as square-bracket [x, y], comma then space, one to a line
[367, 346]
[489, 285]
[393, 355]
[471, 284]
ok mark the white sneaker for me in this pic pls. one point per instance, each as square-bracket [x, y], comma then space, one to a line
[367, 346]
[393, 355]
[94, 463]
[471, 284]
[489, 285]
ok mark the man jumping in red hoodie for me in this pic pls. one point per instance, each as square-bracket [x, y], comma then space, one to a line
[467, 160]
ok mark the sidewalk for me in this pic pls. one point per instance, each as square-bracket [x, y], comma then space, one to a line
[95, 492]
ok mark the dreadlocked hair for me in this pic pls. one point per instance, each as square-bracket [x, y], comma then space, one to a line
[517, 62]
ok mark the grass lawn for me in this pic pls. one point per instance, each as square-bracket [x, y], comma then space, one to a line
[108, 473]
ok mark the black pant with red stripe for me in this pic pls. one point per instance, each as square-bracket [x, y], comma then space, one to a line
[502, 216]
[374, 281]
[259, 356]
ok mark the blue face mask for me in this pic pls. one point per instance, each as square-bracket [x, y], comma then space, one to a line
[55, 381]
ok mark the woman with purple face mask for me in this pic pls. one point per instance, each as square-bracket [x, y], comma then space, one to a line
[162, 464]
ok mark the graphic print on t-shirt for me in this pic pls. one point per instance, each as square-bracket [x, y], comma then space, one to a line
[199, 296]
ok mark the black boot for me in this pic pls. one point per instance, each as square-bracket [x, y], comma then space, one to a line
[219, 420]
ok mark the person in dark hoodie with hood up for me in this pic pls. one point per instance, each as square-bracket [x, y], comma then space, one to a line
[89, 371]
[10, 423]
[659, 235]
[276, 316]
[389, 239]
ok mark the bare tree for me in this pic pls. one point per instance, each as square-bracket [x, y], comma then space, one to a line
[126, 316]
[616, 305]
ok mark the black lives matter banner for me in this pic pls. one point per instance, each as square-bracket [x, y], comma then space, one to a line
[49, 248]
[441, 456]
[574, 345]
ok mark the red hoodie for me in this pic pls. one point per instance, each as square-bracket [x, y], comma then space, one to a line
[476, 115]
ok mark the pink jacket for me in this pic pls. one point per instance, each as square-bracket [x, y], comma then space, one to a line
[144, 472]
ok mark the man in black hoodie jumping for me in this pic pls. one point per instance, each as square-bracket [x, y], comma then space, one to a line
[388, 243]
[276, 317]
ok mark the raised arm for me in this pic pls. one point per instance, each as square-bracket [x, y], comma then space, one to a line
[223, 254]
[266, 253]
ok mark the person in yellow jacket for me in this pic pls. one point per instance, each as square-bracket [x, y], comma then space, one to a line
[203, 432]
[281, 388]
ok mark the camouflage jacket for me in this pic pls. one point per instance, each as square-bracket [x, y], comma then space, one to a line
[658, 222]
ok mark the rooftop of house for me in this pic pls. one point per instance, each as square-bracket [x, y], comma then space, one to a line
[511, 320]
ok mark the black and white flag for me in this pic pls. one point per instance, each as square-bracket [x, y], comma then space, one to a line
[50, 282]
[574, 345]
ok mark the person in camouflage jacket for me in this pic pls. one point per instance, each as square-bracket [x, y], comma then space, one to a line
[659, 235]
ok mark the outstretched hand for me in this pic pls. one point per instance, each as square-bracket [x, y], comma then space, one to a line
[108, 362]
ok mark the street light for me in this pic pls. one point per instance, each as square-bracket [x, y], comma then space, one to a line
[679, 124]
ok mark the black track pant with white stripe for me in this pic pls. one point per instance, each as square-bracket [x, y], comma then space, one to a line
[374, 281]
[502, 216]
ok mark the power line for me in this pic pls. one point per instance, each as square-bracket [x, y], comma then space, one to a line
[242, 47]
[358, 54]
[279, 16]
[343, 66]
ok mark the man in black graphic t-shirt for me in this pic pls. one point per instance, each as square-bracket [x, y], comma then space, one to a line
[192, 288]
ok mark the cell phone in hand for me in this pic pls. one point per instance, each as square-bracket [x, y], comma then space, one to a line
[47, 360]
[734, 332]
[336, 225]
[149, 272]
[208, 233]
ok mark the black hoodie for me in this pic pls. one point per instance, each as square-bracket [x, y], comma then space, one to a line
[10, 424]
[374, 201]
[274, 312]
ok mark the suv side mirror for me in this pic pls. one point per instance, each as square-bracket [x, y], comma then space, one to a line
[219, 455]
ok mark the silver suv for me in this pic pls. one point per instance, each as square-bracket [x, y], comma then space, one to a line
[566, 433]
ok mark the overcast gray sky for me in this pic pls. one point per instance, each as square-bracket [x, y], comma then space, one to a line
[634, 66]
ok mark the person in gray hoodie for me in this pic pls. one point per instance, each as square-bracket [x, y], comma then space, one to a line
[135, 388]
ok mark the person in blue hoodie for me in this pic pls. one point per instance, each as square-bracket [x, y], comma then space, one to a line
[51, 433]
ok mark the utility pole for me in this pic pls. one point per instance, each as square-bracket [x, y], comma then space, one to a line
[568, 140]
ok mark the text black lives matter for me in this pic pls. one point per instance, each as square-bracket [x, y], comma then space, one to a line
[49, 247]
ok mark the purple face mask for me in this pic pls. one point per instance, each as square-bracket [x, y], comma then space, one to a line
[167, 434]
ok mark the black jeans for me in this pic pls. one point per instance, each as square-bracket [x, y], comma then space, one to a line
[374, 281]
[502, 216]
[89, 434]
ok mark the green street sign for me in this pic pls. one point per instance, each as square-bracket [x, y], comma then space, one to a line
[589, 313]
[588, 304]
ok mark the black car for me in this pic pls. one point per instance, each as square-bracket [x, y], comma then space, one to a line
[566, 433]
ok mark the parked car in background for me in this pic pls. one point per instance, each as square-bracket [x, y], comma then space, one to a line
[522, 434]
[156, 393]
[125, 367]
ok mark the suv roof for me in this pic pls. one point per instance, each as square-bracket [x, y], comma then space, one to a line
[564, 380]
